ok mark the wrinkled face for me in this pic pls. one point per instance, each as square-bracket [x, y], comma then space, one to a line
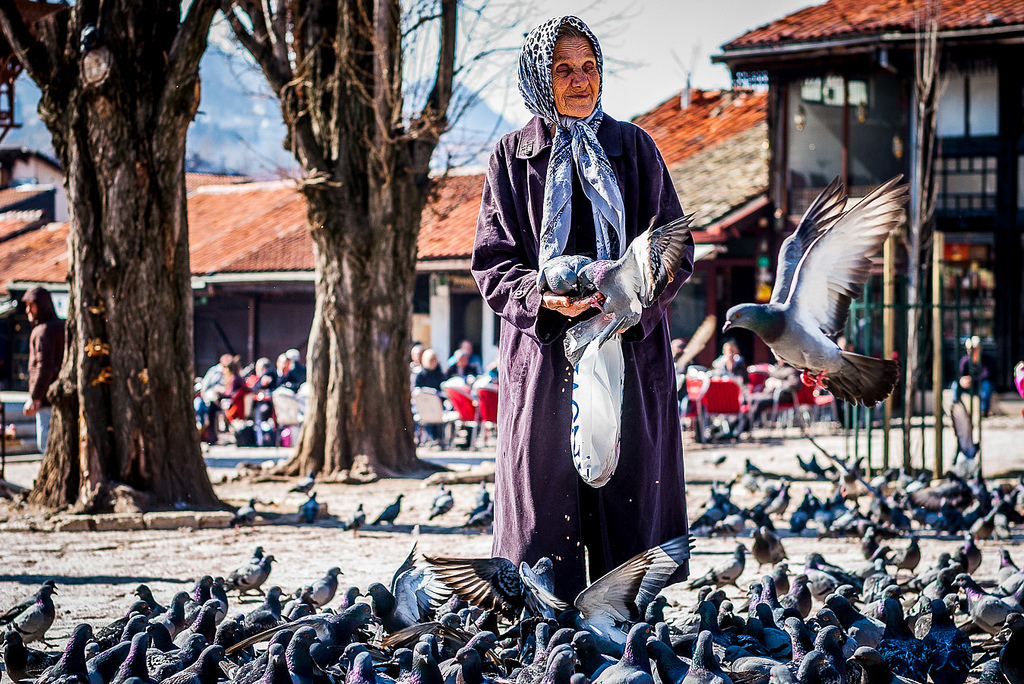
[575, 79]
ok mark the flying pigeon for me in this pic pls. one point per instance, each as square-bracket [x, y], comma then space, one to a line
[822, 268]
[627, 284]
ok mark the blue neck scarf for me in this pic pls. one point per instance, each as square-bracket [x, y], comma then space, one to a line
[574, 143]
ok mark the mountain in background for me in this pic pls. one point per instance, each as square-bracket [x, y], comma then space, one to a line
[238, 128]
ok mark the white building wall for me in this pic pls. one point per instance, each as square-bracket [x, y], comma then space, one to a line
[440, 316]
[488, 350]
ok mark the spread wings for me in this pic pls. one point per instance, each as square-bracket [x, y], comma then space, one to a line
[833, 270]
[659, 253]
[823, 212]
[490, 583]
[963, 428]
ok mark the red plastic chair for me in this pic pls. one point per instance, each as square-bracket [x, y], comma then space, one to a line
[693, 406]
[487, 405]
[757, 375]
[788, 404]
[724, 397]
[466, 408]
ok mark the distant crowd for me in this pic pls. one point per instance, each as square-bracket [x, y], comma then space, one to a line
[463, 367]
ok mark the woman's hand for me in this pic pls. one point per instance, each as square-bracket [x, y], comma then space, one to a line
[570, 307]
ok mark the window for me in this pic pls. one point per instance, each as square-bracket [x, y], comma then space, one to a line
[969, 104]
[966, 184]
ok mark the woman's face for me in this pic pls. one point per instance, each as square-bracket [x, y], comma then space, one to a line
[574, 77]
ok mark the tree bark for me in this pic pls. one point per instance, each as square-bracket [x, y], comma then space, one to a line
[366, 162]
[118, 107]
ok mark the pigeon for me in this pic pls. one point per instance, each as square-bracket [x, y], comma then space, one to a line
[634, 667]
[22, 662]
[623, 594]
[628, 284]
[1011, 655]
[71, 667]
[206, 670]
[33, 622]
[357, 520]
[266, 616]
[947, 650]
[251, 576]
[245, 515]
[987, 612]
[489, 583]
[724, 573]
[324, 589]
[704, 667]
[878, 668]
[591, 661]
[134, 665]
[822, 267]
[902, 651]
[304, 485]
[389, 514]
[908, 558]
[173, 619]
[966, 465]
[767, 548]
[310, 510]
[443, 503]
[482, 520]
[21, 605]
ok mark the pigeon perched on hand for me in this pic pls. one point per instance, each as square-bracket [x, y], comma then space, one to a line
[627, 284]
[822, 268]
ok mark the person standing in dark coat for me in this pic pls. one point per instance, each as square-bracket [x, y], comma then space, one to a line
[45, 356]
[574, 181]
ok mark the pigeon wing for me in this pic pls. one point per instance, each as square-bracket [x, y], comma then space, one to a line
[963, 428]
[484, 582]
[823, 212]
[623, 593]
[537, 595]
[408, 564]
[835, 267]
[659, 252]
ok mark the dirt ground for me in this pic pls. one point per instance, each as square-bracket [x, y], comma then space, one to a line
[97, 571]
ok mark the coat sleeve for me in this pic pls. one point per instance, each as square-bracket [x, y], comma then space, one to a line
[663, 202]
[504, 272]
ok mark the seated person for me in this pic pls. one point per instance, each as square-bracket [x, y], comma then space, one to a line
[730, 363]
[784, 380]
[431, 375]
[463, 367]
[466, 347]
[975, 365]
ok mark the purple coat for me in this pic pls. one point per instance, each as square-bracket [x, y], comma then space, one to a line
[537, 509]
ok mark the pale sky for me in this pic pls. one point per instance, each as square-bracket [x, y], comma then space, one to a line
[649, 45]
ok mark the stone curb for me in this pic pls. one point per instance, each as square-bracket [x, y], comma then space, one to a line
[164, 520]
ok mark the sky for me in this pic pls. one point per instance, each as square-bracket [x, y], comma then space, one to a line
[649, 46]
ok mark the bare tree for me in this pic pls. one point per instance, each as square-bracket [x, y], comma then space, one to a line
[120, 84]
[922, 202]
[337, 68]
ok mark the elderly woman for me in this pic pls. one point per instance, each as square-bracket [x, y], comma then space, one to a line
[574, 181]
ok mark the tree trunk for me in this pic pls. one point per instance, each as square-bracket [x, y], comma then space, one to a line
[118, 114]
[358, 418]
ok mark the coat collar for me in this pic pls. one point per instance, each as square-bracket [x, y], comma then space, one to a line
[536, 138]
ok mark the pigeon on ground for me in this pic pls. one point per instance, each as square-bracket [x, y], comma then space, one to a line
[767, 548]
[878, 668]
[947, 650]
[251, 576]
[822, 268]
[304, 485]
[1011, 656]
[389, 514]
[134, 666]
[987, 612]
[205, 670]
[628, 284]
[443, 503]
[310, 510]
[245, 515]
[33, 622]
[266, 616]
[483, 519]
[635, 666]
[966, 465]
[903, 652]
[21, 605]
[908, 558]
[22, 662]
[704, 667]
[357, 520]
[71, 667]
[324, 589]
[726, 572]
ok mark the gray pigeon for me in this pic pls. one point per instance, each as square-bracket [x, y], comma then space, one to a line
[822, 268]
[443, 503]
[33, 622]
[324, 589]
[966, 465]
[357, 520]
[726, 572]
[304, 485]
[767, 548]
[245, 515]
[252, 575]
[629, 284]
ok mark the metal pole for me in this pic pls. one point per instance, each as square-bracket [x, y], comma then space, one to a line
[888, 335]
[938, 248]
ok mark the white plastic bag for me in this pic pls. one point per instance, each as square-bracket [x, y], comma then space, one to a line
[597, 411]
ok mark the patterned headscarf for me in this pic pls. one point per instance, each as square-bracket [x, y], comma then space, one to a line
[575, 142]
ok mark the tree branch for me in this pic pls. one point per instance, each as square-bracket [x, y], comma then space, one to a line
[278, 73]
[31, 53]
[436, 108]
[187, 49]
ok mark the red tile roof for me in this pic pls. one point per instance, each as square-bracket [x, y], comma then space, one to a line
[38, 256]
[448, 226]
[848, 18]
[14, 222]
[194, 181]
[712, 117]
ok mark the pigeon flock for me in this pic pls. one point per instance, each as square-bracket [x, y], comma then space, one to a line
[896, 618]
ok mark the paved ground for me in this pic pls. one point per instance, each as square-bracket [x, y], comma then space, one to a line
[96, 571]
